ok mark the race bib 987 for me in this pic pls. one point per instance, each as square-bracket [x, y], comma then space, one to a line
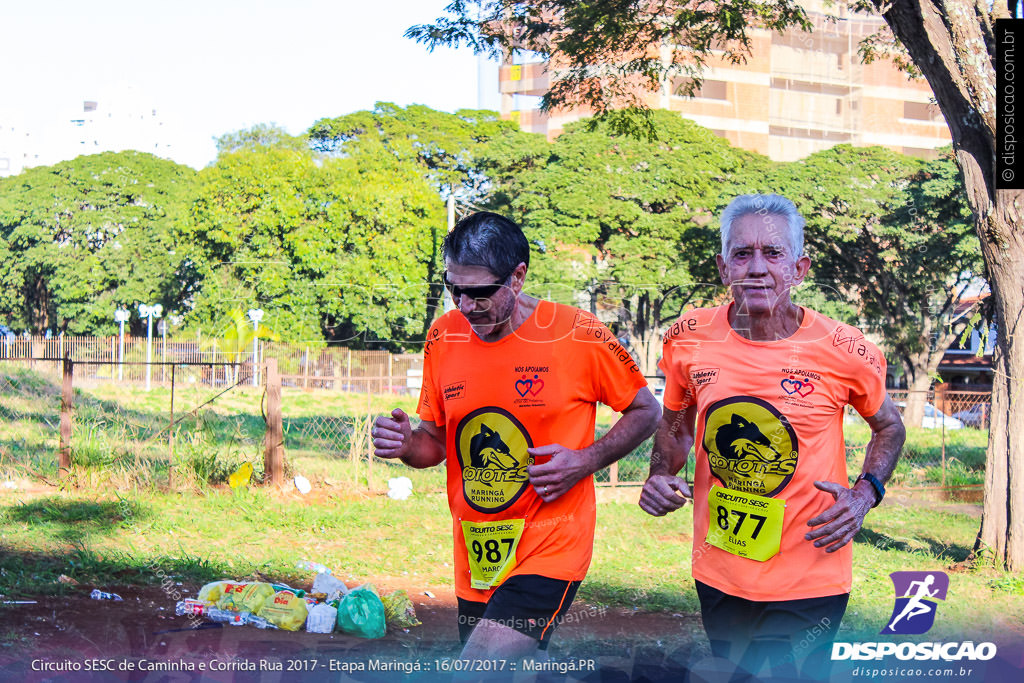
[492, 550]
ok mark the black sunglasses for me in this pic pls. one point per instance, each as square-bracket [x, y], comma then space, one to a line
[476, 292]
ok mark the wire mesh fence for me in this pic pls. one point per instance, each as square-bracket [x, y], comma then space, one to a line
[30, 409]
[201, 421]
[59, 420]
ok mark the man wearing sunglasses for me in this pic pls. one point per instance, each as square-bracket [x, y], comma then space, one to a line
[510, 389]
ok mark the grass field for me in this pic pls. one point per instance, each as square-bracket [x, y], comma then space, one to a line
[117, 523]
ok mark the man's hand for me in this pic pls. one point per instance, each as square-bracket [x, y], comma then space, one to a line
[559, 474]
[391, 435]
[842, 520]
[664, 493]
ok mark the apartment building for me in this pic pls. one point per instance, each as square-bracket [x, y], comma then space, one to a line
[797, 93]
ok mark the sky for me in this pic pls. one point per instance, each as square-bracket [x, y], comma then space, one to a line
[212, 66]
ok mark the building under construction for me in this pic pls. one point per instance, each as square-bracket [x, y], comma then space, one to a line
[797, 93]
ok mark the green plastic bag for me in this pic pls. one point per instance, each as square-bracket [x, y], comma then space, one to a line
[361, 613]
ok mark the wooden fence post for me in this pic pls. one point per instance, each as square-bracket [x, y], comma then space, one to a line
[940, 406]
[170, 438]
[66, 406]
[273, 442]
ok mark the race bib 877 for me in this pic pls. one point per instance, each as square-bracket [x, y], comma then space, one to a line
[745, 524]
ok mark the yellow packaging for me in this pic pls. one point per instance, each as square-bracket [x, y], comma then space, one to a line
[211, 592]
[244, 597]
[285, 610]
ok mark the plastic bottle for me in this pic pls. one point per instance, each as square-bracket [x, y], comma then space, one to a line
[312, 566]
[258, 622]
[190, 606]
[225, 616]
[100, 595]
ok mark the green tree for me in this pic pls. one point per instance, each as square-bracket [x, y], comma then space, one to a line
[82, 237]
[638, 45]
[330, 247]
[456, 153]
[892, 235]
[952, 43]
[630, 223]
[446, 146]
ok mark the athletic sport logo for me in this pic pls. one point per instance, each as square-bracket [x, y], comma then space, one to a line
[751, 446]
[917, 594]
[491, 445]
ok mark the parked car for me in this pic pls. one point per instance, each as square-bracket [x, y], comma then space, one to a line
[976, 416]
[934, 418]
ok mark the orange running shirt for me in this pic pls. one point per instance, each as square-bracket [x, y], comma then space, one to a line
[770, 422]
[537, 386]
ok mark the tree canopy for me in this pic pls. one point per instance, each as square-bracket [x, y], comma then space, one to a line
[82, 237]
[608, 53]
[333, 248]
[630, 224]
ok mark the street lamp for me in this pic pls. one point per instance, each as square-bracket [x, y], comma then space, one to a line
[162, 329]
[121, 316]
[149, 312]
[255, 315]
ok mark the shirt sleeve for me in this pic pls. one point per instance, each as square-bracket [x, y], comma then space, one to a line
[430, 407]
[867, 384]
[677, 395]
[615, 377]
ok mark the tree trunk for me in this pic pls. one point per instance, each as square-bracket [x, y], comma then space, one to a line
[952, 43]
[435, 290]
[648, 350]
[1002, 524]
[921, 368]
[39, 306]
[917, 395]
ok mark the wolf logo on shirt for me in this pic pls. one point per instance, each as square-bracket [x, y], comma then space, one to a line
[491, 445]
[486, 449]
[750, 445]
[742, 440]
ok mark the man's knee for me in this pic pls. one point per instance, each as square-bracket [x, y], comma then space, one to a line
[491, 640]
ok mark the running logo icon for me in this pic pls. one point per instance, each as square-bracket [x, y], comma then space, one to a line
[917, 596]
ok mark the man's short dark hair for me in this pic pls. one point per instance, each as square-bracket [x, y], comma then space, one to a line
[489, 240]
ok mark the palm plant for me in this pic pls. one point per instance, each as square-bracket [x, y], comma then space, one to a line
[238, 337]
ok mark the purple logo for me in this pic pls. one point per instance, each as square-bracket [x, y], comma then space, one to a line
[526, 386]
[917, 595]
[803, 388]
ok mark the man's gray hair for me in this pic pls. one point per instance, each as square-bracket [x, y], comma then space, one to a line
[764, 205]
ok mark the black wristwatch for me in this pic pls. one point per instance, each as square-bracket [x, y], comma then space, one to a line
[877, 485]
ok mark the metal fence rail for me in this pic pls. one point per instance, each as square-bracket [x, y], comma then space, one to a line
[301, 365]
[32, 394]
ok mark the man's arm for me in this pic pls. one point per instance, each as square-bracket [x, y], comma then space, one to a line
[394, 437]
[663, 491]
[840, 523]
[566, 466]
